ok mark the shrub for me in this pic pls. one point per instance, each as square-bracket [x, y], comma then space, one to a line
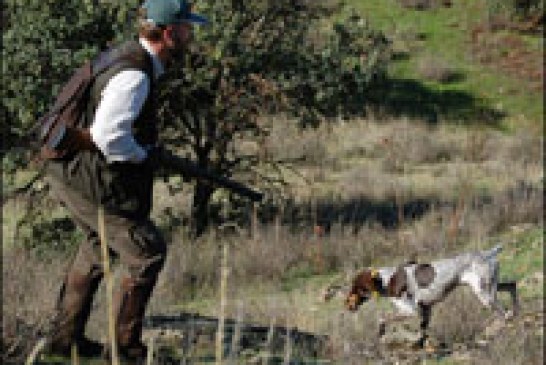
[43, 42]
[500, 11]
[255, 58]
[425, 4]
[262, 58]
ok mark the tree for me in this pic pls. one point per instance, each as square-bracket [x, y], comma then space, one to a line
[264, 57]
[43, 42]
[256, 58]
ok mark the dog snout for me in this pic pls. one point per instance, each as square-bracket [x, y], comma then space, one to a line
[353, 301]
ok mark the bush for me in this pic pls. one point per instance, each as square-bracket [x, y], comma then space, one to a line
[425, 4]
[262, 58]
[516, 10]
[255, 58]
[43, 42]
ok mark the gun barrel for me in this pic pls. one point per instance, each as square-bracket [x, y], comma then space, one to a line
[191, 169]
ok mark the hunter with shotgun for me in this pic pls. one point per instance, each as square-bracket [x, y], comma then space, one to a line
[100, 143]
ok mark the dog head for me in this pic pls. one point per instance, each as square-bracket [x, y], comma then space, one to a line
[365, 285]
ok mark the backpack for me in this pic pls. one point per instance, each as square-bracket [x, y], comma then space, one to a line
[58, 129]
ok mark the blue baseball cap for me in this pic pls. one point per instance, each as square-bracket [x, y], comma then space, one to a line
[166, 12]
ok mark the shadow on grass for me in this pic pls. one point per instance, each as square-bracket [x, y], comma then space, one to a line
[411, 98]
[353, 213]
[242, 340]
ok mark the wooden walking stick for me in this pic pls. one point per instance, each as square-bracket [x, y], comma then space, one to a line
[109, 287]
[74, 355]
[222, 315]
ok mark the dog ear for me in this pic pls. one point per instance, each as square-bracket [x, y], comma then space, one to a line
[398, 283]
[362, 283]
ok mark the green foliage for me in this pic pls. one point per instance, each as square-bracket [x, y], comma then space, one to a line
[43, 229]
[523, 10]
[266, 57]
[46, 236]
[255, 58]
[43, 42]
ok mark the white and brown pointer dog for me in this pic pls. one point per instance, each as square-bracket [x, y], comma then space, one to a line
[415, 287]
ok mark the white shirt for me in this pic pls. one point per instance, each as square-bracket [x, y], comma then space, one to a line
[121, 102]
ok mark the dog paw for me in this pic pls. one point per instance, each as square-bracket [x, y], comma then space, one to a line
[419, 344]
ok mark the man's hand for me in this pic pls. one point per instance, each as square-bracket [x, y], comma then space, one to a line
[153, 155]
[77, 139]
[158, 157]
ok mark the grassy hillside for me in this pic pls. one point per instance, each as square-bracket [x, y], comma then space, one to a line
[450, 40]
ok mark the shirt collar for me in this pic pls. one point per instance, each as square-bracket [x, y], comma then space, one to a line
[159, 69]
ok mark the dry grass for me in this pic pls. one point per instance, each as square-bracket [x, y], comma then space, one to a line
[29, 291]
[523, 344]
[459, 319]
[508, 54]
[389, 189]
[379, 158]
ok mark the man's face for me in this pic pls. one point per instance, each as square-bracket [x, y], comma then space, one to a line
[177, 38]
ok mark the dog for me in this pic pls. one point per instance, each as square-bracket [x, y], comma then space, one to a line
[415, 287]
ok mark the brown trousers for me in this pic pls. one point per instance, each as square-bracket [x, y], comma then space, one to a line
[139, 246]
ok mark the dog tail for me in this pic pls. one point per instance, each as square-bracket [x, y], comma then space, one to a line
[492, 252]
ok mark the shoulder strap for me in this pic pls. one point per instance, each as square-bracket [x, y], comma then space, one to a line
[108, 58]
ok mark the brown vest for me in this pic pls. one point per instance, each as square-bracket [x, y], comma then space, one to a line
[123, 188]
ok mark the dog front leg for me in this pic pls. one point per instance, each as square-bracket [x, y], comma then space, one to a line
[424, 314]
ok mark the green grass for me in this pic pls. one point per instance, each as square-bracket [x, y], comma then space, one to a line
[524, 256]
[445, 33]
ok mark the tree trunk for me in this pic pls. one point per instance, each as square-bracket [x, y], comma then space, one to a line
[200, 218]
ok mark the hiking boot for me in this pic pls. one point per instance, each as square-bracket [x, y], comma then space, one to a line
[137, 351]
[135, 354]
[131, 304]
[85, 347]
[67, 327]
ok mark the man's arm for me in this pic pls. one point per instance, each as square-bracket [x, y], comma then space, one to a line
[121, 103]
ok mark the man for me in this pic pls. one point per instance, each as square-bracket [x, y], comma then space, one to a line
[114, 168]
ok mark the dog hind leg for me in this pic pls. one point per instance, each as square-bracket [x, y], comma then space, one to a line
[511, 287]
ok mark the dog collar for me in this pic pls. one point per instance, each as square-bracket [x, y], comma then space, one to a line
[375, 274]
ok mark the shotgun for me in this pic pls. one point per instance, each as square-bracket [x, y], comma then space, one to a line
[190, 169]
